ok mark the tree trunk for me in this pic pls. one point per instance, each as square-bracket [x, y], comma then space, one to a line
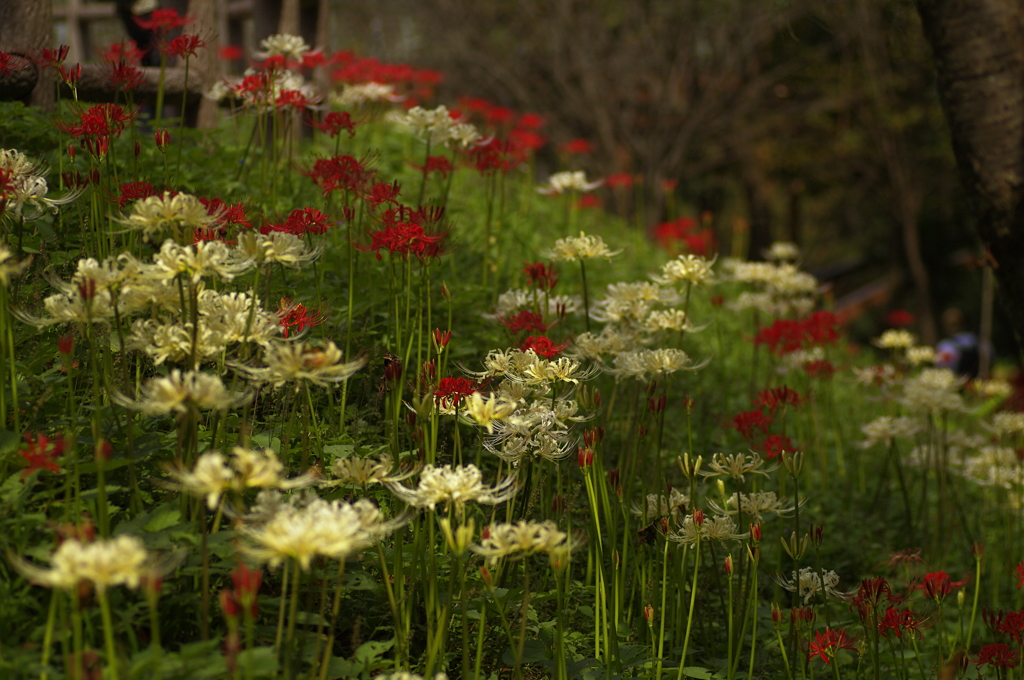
[25, 27]
[979, 54]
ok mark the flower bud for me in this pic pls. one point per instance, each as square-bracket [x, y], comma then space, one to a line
[755, 532]
[585, 458]
[558, 503]
[229, 604]
[776, 615]
[728, 565]
[486, 576]
[66, 344]
[72, 150]
[795, 548]
[441, 339]
[794, 462]
[614, 478]
[817, 534]
[977, 550]
[649, 614]
[698, 517]
[445, 292]
[138, 148]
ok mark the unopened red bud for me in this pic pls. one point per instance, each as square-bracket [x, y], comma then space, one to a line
[613, 477]
[755, 532]
[652, 387]
[162, 138]
[66, 344]
[103, 449]
[641, 431]
[72, 150]
[688, 404]
[486, 576]
[558, 503]
[728, 565]
[229, 604]
[649, 614]
[445, 293]
[977, 550]
[441, 338]
[698, 517]
[585, 457]
[94, 176]
[817, 534]
[138, 148]
[597, 401]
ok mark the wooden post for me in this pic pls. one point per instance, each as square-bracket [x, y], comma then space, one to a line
[205, 64]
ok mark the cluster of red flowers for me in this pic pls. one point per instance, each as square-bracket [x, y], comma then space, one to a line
[937, 585]
[450, 391]
[417, 83]
[789, 335]
[409, 231]
[686, 231]
[344, 172]
[827, 644]
[41, 453]
[333, 123]
[525, 320]
[754, 425]
[295, 318]
[97, 124]
[544, 277]
[133, 191]
[543, 346]
[300, 222]
[900, 318]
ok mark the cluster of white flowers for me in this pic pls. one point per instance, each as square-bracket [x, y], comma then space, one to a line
[437, 127]
[522, 539]
[214, 474]
[755, 505]
[550, 306]
[810, 582]
[582, 247]
[719, 528]
[886, 428]
[659, 505]
[312, 526]
[561, 182]
[933, 390]
[780, 288]
[454, 485]
[361, 94]
[103, 563]
[895, 338]
[25, 184]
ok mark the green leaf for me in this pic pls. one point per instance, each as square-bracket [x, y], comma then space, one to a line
[697, 672]
[164, 517]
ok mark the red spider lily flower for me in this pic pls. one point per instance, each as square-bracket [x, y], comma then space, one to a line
[230, 52]
[531, 121]
[543, 276]
[163, 20]
[100, 121]
[872, 595]
[748, 421]
[821, 328]
[313, 58]
[828, 643]
[669, 185]
[820, 369]
[185, 45]
[775, 397]
[126, 77]
[902, 558]
[543, 346]
[247, 587]
[577, 147]
[341, 172]
[406, 238]
[899, 621]
[124, 52]
[71, 75]
[937, 585]
[899, 318]
[10, 63]
[701, 243]
[774, 445]
[619, 180]
[450, 391]
[54, 57]
[997, 655]
[677, 230]
[588, 201]
[293, 98]
[66, 344]
[295, 318]
[382, 192]
[133, 191]
[305, 221]
[525, 321]
[1012, 624]
[41, 453]
[525, 142]
[334, 122]
[782, 337]
[227, 214]
[438, 164]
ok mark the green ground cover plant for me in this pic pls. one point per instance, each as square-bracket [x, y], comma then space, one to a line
[341, 390]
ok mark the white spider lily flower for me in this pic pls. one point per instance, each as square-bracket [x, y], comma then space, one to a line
[720, 528]
[457, 486]
[9, 267]
[365, 93]
[736, 465]
[895, 338]
[686, 269]
[181, 214]
[486, 411]
[580, 247]
[180, 392]
[103, 563]
[521, 539]
[278, 247]
[809, 583]
[653, 362]
[561, 182]
[295, 361]
[282, 44]
[196, 262]
[886, 428]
